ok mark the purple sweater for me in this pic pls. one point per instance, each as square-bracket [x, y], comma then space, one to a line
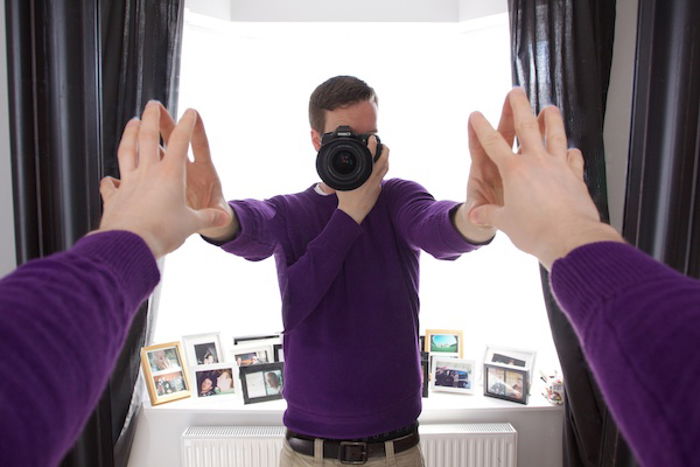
[639, 325]
[349, 302]
[63, 321]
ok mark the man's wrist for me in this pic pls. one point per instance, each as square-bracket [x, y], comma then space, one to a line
[472, 233]
[574, 235]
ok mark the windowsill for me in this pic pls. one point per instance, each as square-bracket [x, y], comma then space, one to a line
[433, 406]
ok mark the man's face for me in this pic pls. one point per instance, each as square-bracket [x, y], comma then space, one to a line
[361, 117]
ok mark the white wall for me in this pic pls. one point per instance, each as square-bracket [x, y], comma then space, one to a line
[7, 218]
[619, 108]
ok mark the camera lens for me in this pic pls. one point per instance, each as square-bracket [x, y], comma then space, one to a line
[344, 162]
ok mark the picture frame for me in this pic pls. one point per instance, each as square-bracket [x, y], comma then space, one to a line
[453, 375]
[513, 358]
[425, 372]
[444, 342]
[278, 352]
[217, 379]
[252, 354]
[165, 372]
[203, 349]
[262, 382]
[245, 340]
[506, 382]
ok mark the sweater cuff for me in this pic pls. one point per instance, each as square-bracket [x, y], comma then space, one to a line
[450, 234]
[127, 256]
[594, 273]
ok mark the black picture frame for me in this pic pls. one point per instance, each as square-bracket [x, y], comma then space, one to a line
[248, 372]
[425, 372]
[241, 339]
[278, 352]
[495, 383]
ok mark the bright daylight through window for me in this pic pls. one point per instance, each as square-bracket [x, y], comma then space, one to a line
[251, 83]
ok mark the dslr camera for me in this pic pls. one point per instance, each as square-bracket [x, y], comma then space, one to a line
[344, 161]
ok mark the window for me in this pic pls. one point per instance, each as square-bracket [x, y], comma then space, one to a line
[251, 82]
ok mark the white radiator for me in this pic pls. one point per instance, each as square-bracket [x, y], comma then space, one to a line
[466, 445]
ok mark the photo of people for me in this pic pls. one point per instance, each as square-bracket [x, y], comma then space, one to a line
[273, 382]
[251, 358]
[164, 359]
[214, 381]
[453, 375]
[169, 383]
[508, 360]
[206, 353]
[262, 382]
[506, 384]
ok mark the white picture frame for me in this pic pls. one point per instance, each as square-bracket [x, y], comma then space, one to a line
[509, 357]
[252, 354]
[450, 374]
[200, 347]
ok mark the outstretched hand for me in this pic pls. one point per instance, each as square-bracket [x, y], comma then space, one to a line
[203, 184]
[545, 207]
[150, 199]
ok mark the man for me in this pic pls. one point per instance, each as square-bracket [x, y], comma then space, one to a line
[77, 305]
[634, 316]
[347, 265]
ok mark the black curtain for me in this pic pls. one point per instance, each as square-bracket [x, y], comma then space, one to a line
[77, 72]
[561, 54]
[662, 207]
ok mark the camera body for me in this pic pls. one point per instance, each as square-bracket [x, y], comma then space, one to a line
[344, 161]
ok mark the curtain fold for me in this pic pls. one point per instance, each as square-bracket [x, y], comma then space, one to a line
[141, 43]
[77, 72]
[561, 54]
[662, 206]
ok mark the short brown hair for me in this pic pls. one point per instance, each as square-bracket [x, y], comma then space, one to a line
[336, 92]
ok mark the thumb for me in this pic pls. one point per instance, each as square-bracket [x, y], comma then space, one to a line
[211, 217]
[485, 215]
[108, 186]
[575, 160]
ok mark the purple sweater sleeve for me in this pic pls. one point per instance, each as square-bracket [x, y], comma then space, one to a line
[305, 281]
[639, 325]
[64, 321]
[425, 223]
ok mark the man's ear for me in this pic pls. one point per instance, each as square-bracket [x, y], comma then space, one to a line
[316, 139]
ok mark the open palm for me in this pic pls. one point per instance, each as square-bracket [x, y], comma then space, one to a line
[203, 184]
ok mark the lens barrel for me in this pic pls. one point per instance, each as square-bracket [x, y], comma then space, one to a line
[344, 161]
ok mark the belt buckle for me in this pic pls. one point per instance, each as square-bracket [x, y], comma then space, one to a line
[353, 452]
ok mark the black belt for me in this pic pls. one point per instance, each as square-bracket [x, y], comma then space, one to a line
[351, 452]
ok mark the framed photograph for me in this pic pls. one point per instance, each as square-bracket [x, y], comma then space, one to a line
[241, 340]
[278, 352]
[506, 383]
[425, 372]
[512, 358]
[262, 382]
[203, 349]
[444, 342]
[246, 355]
[213, 380]
[453, 375]
[164, 372]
